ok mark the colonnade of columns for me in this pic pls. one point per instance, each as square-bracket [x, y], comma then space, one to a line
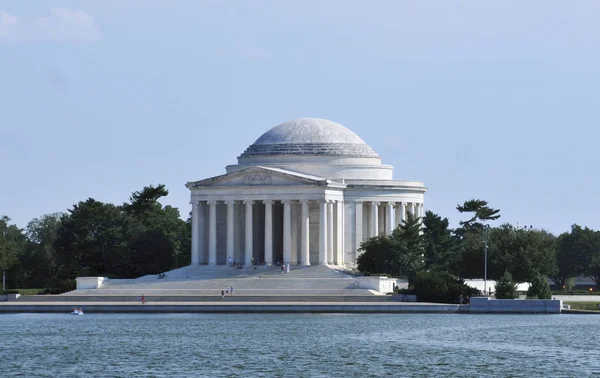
[382, 217]
[330, 232]
[394, 215]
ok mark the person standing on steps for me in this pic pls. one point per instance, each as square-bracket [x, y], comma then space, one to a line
[143, 299]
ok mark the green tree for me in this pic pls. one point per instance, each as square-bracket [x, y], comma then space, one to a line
[409, 246]
[481, 213]
[400, 254]
[156, 221]
[579, 253]
[377, 256]
[93, 240]
[506, 288]
[524, 252]
[570, 262]
[592, 256]
[441, 249]
[38, 262]
[471, 236]
[441, 287]
[539, 288]
[152, 253]
[12, 246]
[471, 250]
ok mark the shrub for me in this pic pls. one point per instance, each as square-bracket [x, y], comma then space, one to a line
[539, 288]
[506, 288]
[570, 284]
[441, 287]
[405, 291]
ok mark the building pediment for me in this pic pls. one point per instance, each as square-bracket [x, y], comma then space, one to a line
[259, 176]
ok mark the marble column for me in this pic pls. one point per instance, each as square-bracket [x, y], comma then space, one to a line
[201, 233]
[389, 218]
[339, 242]
[358, 228]
[398, 215]
[212, 232]
[287, 232]
[230, 229]
[402, 212]
[195, 234]
[374, 221]
[323, 233]
[248, 233]
[411, 208]
[304, 235]
[330, 233]
[268, 232]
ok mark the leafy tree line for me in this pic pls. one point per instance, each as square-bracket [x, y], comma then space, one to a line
[524, 252]
[95, 238]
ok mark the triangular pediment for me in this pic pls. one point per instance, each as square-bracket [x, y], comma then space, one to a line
[259, 176]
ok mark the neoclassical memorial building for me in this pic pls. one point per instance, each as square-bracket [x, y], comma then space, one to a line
[306, 192]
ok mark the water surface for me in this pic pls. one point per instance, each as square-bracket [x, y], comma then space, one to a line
[293, 345]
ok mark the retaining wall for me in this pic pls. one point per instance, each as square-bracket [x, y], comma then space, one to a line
[514, 306]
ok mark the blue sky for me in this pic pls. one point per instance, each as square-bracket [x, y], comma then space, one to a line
[491, 100]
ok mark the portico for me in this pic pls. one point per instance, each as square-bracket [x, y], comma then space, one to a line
[307, 192]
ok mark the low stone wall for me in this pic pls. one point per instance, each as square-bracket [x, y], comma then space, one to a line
[237, 308]
[479, 284]
[87, 283]
[485, 305]
[577, 298]
[9, 297]
[377, 283]
[404, 297]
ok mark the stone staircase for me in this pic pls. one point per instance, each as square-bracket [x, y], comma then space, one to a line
[199, 283]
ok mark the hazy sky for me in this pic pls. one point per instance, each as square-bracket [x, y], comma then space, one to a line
[492, 100]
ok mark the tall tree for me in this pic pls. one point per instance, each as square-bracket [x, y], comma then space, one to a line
[145, 201]
[154, 219]
[12, 246]
[93, 239]
[570, 262]
[525, 253]
[441, 249]
[38, 263]
[480, 213]
[400, 254]
[471, 248]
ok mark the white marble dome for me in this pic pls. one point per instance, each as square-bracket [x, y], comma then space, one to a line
[310, 136]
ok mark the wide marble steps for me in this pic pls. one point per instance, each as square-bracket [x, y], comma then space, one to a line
[260, 281]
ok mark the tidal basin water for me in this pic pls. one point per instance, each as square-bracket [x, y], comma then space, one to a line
[292, 345]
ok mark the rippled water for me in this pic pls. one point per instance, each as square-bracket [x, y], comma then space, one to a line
[291, 345]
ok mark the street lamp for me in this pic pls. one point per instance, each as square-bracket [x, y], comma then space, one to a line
[486, 235]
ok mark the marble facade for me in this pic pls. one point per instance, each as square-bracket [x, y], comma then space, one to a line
[306, 192]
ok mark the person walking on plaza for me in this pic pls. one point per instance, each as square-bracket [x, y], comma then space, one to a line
[231, 290]
[143, 299]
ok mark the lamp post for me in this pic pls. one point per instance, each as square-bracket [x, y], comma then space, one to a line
[486, 235]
